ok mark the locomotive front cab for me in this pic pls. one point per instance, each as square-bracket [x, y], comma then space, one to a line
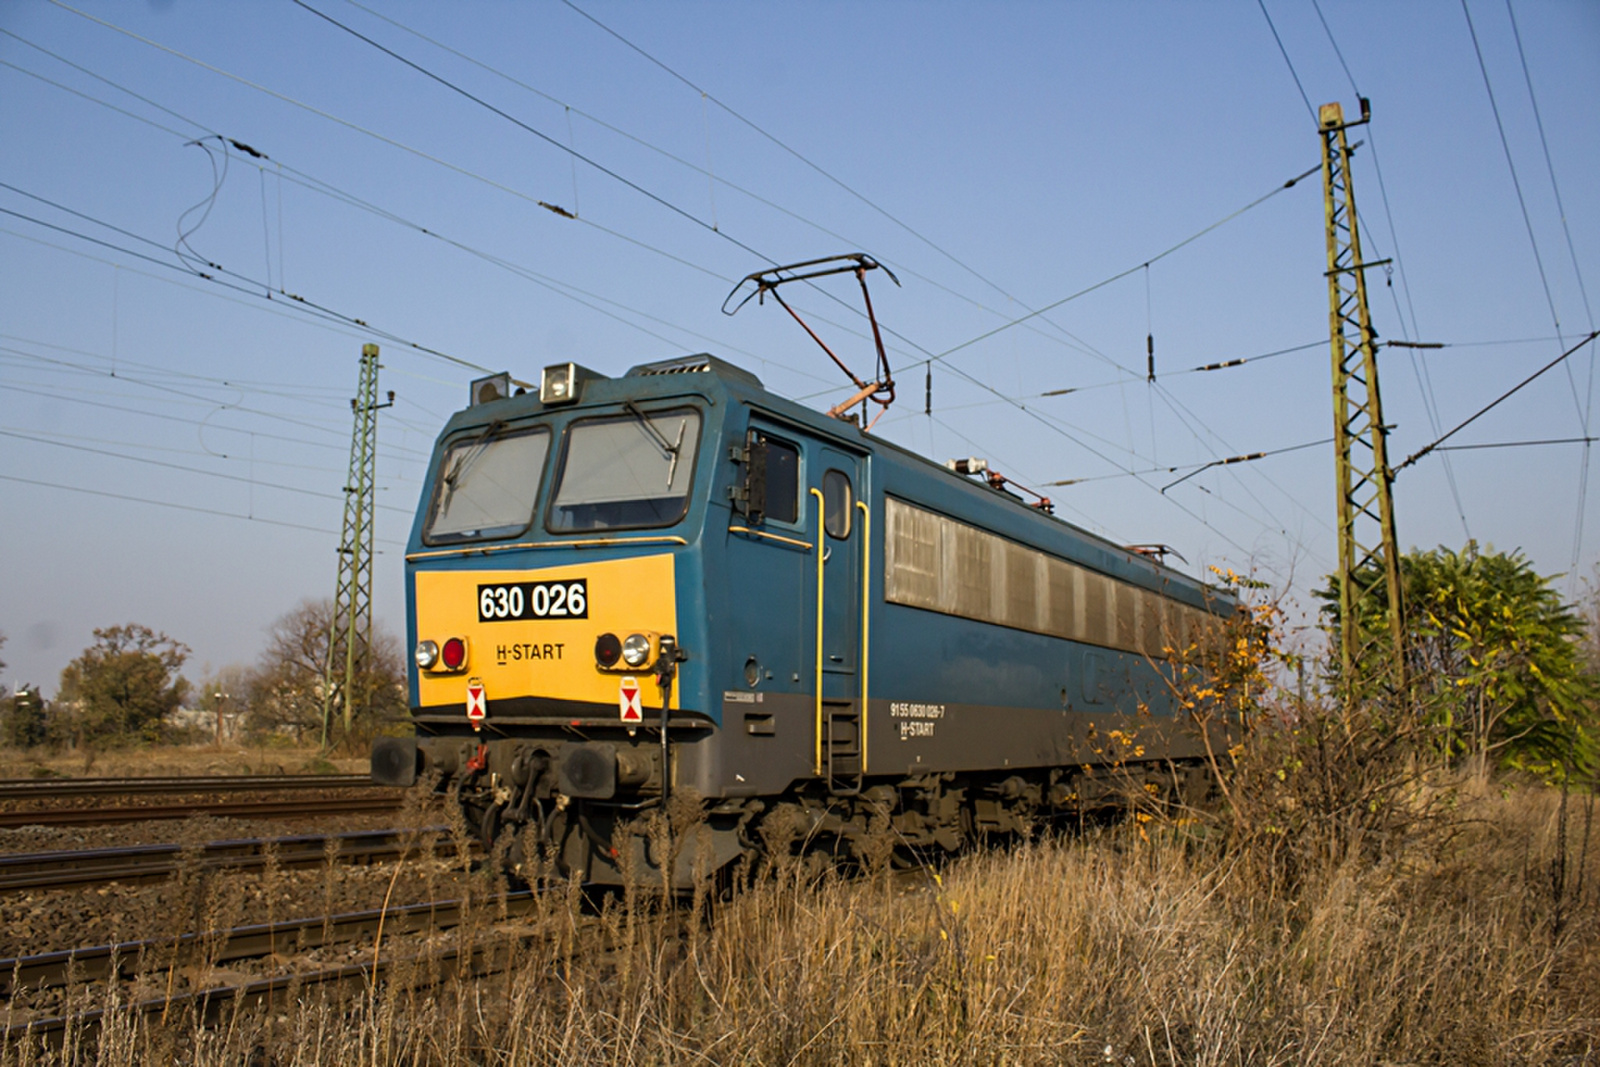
[552, 588]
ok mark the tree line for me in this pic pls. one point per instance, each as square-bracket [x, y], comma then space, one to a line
[127, 686]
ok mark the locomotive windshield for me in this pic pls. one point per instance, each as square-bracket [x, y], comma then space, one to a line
[487, 486]
[628, 470]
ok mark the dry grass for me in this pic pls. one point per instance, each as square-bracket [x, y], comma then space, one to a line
[1478, 941]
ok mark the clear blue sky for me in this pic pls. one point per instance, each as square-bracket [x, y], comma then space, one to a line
[172, 450]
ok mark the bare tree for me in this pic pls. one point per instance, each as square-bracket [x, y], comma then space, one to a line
[284, 691]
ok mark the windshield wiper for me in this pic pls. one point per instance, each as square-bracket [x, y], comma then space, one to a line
[670, 448]
[468, 455]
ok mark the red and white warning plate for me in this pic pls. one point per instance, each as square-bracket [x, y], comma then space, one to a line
[628, 702]
[477, 702]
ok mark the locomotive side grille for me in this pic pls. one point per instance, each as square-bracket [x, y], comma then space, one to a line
[940, 564]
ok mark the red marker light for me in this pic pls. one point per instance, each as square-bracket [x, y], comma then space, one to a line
[454, 654]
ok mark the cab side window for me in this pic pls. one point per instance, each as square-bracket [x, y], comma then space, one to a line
[837, 501]
[783, 480]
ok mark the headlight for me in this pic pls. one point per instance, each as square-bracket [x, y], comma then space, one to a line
[636, 650]
[427, 654]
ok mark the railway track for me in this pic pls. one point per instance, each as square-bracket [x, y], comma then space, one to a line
[50, 788]
[123, 961]
[74, 868]
[340, 794]
[260, 809]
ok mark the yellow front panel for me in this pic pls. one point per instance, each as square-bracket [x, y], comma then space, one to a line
[544, 657]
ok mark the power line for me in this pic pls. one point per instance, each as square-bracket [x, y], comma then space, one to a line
[334, 192]
[899, 266]
[557, 144]
[162, 416]
[391, 142]
[397, 452]
[180, 393]
[1538, 259]
[1588, 400]
[254, 482]
[553, 142]
[79, 437]
[250, 288]
[613, 174]
[1495, 402]
[1516, 183]
[174, 506]
[1288, 62]
[541, 203]
[705, 95]
[1226, 364]
[1519, 444]
[1248, 457]
[1291, 183]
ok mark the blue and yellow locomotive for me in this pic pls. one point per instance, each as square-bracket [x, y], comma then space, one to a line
[677, 583]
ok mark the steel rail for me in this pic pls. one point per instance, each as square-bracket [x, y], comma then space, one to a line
[126, 959]
[29, 788]
[416, 971]
[67, 869]
[261, 809]
[209, 1005]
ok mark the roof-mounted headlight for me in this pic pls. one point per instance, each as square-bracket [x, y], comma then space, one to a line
[559, 384]
[562, 383]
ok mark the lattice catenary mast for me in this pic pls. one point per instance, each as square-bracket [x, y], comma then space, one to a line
[345, 678]
[1369, 556]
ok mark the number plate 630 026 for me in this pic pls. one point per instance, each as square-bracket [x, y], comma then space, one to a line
[567, 599]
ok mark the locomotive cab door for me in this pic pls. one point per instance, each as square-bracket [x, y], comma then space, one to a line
[835, 486]
[798, 542]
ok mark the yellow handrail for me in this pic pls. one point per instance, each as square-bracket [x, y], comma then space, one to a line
[866, 614]
[821, 551]
[795, 541]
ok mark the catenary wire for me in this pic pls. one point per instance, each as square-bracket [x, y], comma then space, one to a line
[553, 142]
[900, 266]
[397, 452]
[987, 334]
[1522, 203]
[251, 288]
[182, 507]
[1519, 444]
[1287, 61]
[327, 189]
[256, 482]
[514, 120]
[1583, 292]
[1496, 402]
[391, 142]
